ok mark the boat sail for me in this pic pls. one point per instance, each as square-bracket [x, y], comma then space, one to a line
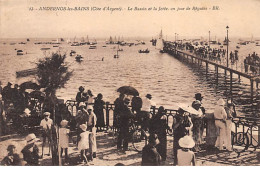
[159, 44]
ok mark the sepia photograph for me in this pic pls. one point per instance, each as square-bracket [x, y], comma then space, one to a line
[129, 83]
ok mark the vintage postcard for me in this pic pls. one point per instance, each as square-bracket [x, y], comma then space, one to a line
[129, 82]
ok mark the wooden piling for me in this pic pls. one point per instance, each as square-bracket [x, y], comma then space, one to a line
[252, 90]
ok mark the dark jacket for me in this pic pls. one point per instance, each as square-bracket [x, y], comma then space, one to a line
[31, 157]
[150, 156]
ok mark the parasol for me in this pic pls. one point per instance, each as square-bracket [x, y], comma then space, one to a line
[128, 90]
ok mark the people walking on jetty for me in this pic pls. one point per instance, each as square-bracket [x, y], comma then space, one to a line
[99, 106]
[146, 111]
[182, 124]
[31, 151]
[46, 125]
[185, 156]
[92, 121]
[83, 144]
[79, 96]
[12, 158]
[125, 118]
[150, 155]
[136, 104]
[220, 116]
[159, 126]
[64, 139]
[119, 104]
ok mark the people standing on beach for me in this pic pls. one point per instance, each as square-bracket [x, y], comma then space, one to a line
[182, 124]
[125, 118]
[92, 121]
[136, 104]
[150, 155]
[46, 125]
[31, 151]
[79, 96]
[159, 126]
[198, 123]
[91, 98]
[64, 139]
[146, 111]
[12, 158]
[185, 156]
[7, 94]
[220, 116]
[119, 104]
[83, 144]
[99, 106]
[231, 112]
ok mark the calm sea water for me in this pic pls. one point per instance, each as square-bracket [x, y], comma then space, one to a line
[168, 80]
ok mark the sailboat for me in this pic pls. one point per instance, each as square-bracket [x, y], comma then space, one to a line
[159, 44]
[117, 55]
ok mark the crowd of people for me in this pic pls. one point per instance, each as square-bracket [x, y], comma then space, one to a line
[252, 63]
[188, 128]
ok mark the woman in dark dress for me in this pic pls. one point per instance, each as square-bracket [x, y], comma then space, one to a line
[159, 126]
[99, 111]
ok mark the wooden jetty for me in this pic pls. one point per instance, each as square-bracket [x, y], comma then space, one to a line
[187, 56]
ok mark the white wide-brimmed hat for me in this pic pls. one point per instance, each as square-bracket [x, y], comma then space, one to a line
[31, 138]
[64, 123]
[47, 114]
[186, 142]
[189, 109]
[83, 127]
[221, 102]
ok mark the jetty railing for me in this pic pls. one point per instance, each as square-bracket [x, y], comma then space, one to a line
[245, 130]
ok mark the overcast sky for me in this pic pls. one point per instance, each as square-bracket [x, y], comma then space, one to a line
[16, 21]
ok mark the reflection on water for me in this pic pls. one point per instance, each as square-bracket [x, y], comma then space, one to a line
[166, 78]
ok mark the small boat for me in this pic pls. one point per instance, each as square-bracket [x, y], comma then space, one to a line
[12, 43]
[92, 47]
[22, 43]
[72, 52]
[19, 52]
[45, 48]
[238, 47]
[104, 46]
[144, 51]
[55, 46]
[79, 58]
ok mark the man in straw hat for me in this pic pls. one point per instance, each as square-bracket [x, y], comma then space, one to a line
[185, 156]
[220, 116]
[46, 125]
[150, 156]
[31, 151]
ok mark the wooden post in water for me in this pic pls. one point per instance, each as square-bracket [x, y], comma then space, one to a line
[216, 68]
[207, 67]
[231, 80]
[252, 89]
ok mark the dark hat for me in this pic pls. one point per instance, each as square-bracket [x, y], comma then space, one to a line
[149, 96]
[10, 147]
[81, 88]
[198, 96]
[9, 83]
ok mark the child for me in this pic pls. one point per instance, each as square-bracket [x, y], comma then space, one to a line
[64, 138]
[185, 156]
[83, 145]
